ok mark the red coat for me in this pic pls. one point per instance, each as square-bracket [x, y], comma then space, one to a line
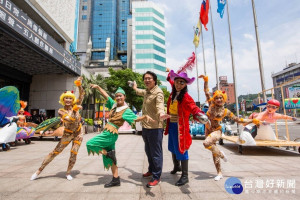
[185, 108]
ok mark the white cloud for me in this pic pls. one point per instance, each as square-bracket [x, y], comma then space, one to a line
[279, 39]
[248, 36]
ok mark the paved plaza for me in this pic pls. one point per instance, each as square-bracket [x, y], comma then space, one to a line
[255, 168]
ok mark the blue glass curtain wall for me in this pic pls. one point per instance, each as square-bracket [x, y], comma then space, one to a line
[109, 19]
[104, 13]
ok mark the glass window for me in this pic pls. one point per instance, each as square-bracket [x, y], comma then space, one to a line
[150, 66]
[84, 7]
[143, 37]
[150, 46]
[84, 0]
[84, 17]
[149, 56]
[148, 27]
[150, 19]
[150, 10]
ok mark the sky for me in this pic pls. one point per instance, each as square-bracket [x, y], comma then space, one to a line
[278, 28]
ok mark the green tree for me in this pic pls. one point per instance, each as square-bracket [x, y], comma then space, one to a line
[88, 91]
[119, 78]
[97, 97]
[91, 95]
[166, 94]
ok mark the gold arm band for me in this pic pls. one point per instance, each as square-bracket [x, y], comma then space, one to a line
[68, 131]
[63, 117]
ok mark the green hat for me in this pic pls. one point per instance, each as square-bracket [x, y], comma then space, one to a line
[120, 90]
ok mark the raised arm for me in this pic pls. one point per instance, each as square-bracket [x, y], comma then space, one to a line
[168, 77]
[78, 83]
[206, 89]
[103, 92]
[140, 92]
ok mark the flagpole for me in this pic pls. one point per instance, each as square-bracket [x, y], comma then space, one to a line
[203, 53]
[261, 68]
[233, 65]
[197, 74]
[213, 34]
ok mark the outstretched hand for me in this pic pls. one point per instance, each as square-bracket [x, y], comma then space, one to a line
[205, 78]
[93, 86]
[164, 116]
[149, 119]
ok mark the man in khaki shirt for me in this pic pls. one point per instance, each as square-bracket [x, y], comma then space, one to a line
[153, 105]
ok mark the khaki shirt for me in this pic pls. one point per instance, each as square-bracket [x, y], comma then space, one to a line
[153, 105]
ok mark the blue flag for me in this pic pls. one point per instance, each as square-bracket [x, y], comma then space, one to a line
[221, 6]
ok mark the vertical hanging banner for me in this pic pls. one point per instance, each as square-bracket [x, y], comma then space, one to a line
[197, 33]
[204, 13]
[221, 6]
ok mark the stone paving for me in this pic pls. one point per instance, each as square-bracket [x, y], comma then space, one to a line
[256, 167]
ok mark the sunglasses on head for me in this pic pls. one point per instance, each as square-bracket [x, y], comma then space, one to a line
[270, 106]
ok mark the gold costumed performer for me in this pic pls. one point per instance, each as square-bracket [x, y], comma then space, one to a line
[215, 114]
[72, 133]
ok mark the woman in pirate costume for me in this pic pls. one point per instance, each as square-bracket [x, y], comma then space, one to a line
[104, 143]
[215, 114]
[72, 133]
[179, 106]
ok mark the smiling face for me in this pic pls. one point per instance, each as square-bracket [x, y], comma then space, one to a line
[149, 81]
[179, 84]
[120, 98]
[68, 101]
[271, 108]
[219, 100]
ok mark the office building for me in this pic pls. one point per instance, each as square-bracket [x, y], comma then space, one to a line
[148, 39]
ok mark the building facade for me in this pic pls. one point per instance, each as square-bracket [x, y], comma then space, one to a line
[228, 88]
[148, 39]
[102, 34]
[289, 75]
[35, 37]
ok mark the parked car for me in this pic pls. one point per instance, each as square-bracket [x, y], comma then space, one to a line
[197, 129]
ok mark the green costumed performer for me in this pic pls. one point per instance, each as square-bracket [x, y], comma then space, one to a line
[104, 143]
